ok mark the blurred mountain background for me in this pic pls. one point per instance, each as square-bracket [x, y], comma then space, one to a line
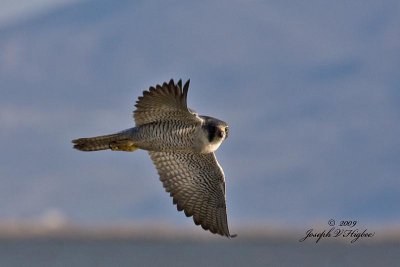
[311, 91]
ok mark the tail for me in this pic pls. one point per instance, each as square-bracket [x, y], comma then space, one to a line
[117, 142]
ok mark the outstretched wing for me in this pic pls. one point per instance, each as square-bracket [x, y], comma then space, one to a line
[165, 102]
[197, 184]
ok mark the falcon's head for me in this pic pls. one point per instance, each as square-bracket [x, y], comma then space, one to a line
[214, 132]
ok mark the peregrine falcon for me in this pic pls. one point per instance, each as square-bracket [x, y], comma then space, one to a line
[181, 145]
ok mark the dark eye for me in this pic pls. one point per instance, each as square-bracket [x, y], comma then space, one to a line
[221, 134]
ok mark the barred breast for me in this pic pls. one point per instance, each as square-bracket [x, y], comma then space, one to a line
[165, 136]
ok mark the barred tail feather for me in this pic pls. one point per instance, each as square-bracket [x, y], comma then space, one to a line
[117, 142]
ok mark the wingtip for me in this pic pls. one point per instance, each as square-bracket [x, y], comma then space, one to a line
[186, 87]
[179, 84]
[232, 236]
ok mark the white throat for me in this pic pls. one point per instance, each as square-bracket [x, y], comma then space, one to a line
[203, 145]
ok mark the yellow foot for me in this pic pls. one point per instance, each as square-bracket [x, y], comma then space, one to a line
[123, 145]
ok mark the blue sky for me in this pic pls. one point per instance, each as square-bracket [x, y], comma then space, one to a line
[310, 91]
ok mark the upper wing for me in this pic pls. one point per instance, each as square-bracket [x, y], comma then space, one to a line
[197, 184]
[165, 102]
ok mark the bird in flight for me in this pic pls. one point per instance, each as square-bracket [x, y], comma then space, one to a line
[181, 145]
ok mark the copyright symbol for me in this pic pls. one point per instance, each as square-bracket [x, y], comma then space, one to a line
[331, 222]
